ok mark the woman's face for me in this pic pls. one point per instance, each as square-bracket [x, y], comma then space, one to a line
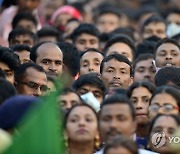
[166, 125]
[81, 125]
[140, 98]
[163, 104]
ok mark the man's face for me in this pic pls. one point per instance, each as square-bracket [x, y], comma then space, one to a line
[34, 83]
[9, 72]
[97, 92]
[173, 18]
[121, 48]
[27, 24]
[86, 41]
[29, 5]
[155, 28]
[108, 22]
[50, 57]
[116, 119]
[90, 62]
[22, 39]
[167, 54]
[116, 74]
[24, 56]
[144, 70]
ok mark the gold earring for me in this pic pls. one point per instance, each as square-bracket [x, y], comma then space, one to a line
[97, 142]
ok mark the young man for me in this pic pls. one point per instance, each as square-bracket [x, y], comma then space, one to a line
[90, 61]
[85, 36]
[143, 68]
[49, 56]
[167, 53]
[116, 71]
[31, 79]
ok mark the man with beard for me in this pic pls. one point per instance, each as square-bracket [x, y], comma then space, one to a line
[49, 56]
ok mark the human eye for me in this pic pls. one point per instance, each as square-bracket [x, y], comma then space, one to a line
[32, 85]
[106, 119]
[44, 88]
[8, 73]
[174, 53]
[45, 61]
[168, 107]
[58, 62]
[123, 71]
[141, 70]
[89, 119]
[97, 63]
[157, 129]
[81, 42]
[85, 64]
[146, 100]
[134, 100]
[93, 41]
[121, 118]
[110, 70]
[97, 94]
[162, 53]
[73, 120]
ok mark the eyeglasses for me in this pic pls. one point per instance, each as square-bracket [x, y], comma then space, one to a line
[35, 86]
[165, 107]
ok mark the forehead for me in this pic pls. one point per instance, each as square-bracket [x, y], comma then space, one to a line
[155, 25]
[168, 46]
[89, 87]
[85, 36]
[4, 66]
[144, 63]
[81, 110]
[116, 64]
[69, 95]
[140, 91]
[165, 121]
[116, 109]
[49, 51]
[23, 37]
[108, 16]
[92, 54]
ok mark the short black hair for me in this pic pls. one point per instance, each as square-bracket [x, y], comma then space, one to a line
[90, 79]
[49, 31]
[166, 75]
[20, 71]
[142, 57]
[148, 85]
[118, 99]
[153, 18]
[166, 40]
[20, 31]
[85, 28]
[117, 57]
[145, 47]
[23, 16]
[2, 74]
[20, 48]
[6, 90]
[91, 50]
[70, 57]
[121, 39]
[9, 58]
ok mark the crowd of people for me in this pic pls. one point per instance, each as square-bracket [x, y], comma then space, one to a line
[118, 63]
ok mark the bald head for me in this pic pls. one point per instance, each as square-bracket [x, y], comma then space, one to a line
[50, 57]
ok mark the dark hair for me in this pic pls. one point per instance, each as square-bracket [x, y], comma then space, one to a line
[20, 31]
[168, 74]
[118, 99]
[20, 48]
[6, 90]
[90, 79]
[75, 106]
[142, 57]
[166, 40]
[121, 39]
[49, 31]
[148, 85]
[2, 74]
[91, 50]
[85, 28]
[33, 52]
[69, 90]
[145, 47]
[172, 10]
[23, 16]
[117, 57]
[153, 121]
[20, 72]
[169, 90]
[70, 57]
[153, 18]
[121, 141]
[9, 58]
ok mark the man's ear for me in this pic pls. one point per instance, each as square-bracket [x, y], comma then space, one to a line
[131, 80]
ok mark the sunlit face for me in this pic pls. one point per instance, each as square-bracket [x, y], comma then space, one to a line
[69, 100]
[144, 70]
[107, 22]
[9, 72]
[167, 125]
[82, 125]
[167, 54]
[121, 48]
[90, 62]
[86, 41]
[155, 28]
[97, 92]
[50, 57]
[116, 119]
[116, 74]
[24, 56]
[140, 98]
[161, 100]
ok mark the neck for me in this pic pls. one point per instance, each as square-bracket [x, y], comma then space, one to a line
[142, 130]
[79, 147]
